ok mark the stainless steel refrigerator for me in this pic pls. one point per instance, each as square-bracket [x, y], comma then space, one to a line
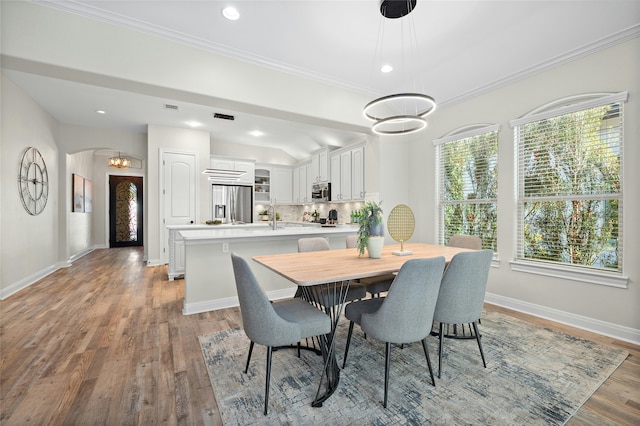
[232, 203]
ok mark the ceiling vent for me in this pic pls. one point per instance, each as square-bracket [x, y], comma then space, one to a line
[171, 107]
[223, 116]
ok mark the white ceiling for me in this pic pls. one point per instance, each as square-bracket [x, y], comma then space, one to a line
[464, 48]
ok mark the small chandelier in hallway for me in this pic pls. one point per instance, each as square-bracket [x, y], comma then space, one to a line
[119, 162]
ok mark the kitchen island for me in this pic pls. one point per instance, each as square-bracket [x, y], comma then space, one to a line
[176, 243]
[208, 275]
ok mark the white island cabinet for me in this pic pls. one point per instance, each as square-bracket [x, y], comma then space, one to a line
[209, 283]
[175, 268]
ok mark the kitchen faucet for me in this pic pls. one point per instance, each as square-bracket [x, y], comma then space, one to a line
[274, 225]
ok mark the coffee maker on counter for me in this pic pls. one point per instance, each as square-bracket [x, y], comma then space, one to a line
[332, 219]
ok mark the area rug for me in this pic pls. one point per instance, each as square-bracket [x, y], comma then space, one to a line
[533, 376]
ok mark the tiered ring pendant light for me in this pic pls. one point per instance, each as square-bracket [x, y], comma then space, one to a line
[400, 113]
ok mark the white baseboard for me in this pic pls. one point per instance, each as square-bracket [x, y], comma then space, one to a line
[230, 302]
[620, 332]
[36, 276]
[27, 281]
[77, 256]
[155, 262]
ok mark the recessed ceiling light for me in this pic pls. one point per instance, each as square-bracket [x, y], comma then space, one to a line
[386, 68]
[256, 133]
[193, 123]
[230, 13]
[100, 111]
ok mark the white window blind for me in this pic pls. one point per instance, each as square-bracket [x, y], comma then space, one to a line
[468, 185]
[570, 185]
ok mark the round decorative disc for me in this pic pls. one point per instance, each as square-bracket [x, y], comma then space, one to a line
[401, 223]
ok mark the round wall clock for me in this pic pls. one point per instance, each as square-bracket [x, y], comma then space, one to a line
[33, 181]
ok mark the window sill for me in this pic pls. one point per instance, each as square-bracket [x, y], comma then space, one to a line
[610, 279]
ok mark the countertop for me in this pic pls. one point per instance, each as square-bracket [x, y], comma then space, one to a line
[238, 233]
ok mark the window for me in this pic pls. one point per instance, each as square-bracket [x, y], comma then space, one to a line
[468, 184]
[569, 178]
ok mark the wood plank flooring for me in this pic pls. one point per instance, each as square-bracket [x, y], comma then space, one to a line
[105, 342]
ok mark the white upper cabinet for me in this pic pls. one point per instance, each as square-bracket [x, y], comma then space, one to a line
[320, 166]
[262, 188]
[248, 167]
[301, 189]
[239, 165]
[273, 184]
[347, 174]
[281, 185]
[296, 185]
[357, 173]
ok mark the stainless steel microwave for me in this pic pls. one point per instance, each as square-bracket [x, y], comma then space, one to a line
[321, 191]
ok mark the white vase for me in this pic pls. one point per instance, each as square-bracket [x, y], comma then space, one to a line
[374, 247]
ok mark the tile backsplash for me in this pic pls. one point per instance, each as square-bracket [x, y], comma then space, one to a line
[295, 213]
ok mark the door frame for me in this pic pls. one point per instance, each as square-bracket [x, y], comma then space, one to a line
[123, 172]
[140, 214]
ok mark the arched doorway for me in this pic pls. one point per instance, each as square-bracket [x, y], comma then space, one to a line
[125, 211]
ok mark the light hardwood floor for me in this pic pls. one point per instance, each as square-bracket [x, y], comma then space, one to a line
[105, 342]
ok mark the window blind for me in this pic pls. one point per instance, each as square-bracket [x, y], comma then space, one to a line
[468, 185]
[570, 186]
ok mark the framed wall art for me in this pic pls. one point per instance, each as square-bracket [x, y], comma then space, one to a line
[88, 196]
[78, 193]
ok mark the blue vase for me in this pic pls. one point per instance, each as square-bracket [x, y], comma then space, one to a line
[377, 230]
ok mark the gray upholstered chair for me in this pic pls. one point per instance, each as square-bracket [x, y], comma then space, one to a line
[373, 285]
[274, 324]
[352, 241]
[329, 298]
[405, 315]
[462, 293]
[470, 242]
[465, 241]
[313, 244]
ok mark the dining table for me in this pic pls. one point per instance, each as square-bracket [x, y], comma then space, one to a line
[326, 275]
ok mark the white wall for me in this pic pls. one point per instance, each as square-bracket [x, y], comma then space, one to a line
[138, 62]
[394, 176]
[80, 225]
[601, 308]
[29, 244]
[251, 152]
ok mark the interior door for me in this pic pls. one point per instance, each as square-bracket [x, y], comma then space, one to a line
[178, 194]
[125, 211]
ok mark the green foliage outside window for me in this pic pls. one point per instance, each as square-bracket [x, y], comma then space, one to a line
[470, 188]
[571, 188]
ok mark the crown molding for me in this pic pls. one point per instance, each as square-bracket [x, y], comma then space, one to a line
[89, 11]
[586, 50]
[93, 12]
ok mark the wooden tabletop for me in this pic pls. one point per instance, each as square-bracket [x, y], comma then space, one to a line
[320, 267]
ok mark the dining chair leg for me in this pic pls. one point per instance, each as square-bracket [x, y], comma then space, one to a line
[475, 328]
[248, 358]
[346, 349]
[387, 361]
[266, 387]
[426, 354]
[440, 350]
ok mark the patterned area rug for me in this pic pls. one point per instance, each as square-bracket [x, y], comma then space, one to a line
[533, 376]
